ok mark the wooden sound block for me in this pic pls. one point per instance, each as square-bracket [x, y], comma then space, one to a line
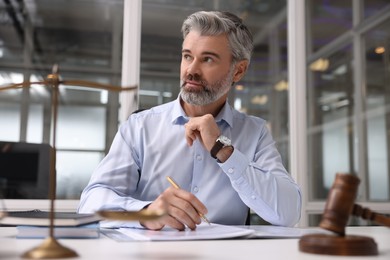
[338, 245]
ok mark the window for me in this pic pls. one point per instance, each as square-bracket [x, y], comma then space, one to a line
[85, 39]
[377, 101]
[347, 100]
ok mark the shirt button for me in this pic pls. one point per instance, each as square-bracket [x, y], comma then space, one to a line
[199, 157]
[253, 197]
[196, 189]
[231, 170]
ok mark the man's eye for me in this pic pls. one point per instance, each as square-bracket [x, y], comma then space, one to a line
[186, 57]
[208, 59]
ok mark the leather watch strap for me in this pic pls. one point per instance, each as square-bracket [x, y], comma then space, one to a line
[216, 148]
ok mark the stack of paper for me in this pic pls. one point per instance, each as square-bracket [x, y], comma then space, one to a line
[83, 231]
[41, 218]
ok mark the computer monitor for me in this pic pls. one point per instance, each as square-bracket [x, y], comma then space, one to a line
[24, 170]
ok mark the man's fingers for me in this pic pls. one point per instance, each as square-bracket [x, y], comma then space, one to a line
[190, 134]
[203, 128]
[180, 219]
[181, 207]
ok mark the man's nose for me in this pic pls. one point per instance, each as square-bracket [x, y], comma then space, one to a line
[194, 68]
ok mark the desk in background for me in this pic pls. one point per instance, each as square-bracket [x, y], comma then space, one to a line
[106, 248]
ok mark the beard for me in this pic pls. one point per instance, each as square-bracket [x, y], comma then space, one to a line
[209, 93]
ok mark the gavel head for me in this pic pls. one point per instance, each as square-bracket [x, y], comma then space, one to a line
[340, 203]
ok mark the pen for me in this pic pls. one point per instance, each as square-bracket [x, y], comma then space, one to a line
[175, 185]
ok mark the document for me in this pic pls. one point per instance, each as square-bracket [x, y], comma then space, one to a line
[209, 232]
[269, 231]
[203, 231]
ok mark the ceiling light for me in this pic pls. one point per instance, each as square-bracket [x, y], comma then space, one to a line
[320, 65]
[239, 87]
[259, 100]
[380, 50]
[104, 97]
[281, 85]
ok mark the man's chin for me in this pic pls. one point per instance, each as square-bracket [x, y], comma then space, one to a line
[194, 100]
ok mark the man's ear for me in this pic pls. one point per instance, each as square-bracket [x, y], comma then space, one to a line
[239, 70]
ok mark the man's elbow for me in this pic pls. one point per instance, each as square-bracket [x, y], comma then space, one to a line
[289, 213]
[292, 213]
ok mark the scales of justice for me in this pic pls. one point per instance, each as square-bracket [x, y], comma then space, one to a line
[51, 248]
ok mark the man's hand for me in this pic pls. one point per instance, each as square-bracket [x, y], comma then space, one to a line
[183, 210]
[204, 128]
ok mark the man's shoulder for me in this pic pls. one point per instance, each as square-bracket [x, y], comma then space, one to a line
[160, 110]
[243, 117]
[249, 125]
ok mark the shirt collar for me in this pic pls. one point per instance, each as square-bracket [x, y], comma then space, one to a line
[179, 116]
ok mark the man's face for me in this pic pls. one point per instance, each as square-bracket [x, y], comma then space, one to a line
[206, 71]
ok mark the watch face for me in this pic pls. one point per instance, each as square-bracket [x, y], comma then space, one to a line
[226, 141]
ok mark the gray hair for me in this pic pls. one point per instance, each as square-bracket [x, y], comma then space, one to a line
[217, 23]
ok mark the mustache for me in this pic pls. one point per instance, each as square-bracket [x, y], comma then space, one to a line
[195, 78]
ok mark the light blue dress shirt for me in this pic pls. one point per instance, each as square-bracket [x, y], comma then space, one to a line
[151, 145]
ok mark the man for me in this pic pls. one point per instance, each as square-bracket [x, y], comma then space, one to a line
[225, 161]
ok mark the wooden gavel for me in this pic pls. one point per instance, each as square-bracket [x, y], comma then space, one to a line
[340, 205]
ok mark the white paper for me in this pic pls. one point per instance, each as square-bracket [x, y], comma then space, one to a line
[213, 231]
[203, 231]
[268, 231]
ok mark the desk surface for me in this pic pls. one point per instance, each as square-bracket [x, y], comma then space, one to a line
[106, 248]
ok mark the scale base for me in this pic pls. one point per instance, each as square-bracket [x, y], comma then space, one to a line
[49, 249]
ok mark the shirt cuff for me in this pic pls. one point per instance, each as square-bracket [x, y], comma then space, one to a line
[235, 165]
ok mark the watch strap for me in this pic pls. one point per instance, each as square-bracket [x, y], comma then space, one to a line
[216, 148]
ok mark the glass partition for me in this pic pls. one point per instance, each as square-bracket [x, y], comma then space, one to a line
[330, 128]
[348, 100]
[10, 121]
[374, 7]
[377, 102]
[85, 39]
[326, 21]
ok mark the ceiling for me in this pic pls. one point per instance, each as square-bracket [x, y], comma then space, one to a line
[67, 25]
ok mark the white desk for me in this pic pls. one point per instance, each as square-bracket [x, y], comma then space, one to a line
[108, 249]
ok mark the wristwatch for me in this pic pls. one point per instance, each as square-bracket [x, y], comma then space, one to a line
[221, 142]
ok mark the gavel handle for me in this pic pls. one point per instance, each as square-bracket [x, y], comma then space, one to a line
[367, 214]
